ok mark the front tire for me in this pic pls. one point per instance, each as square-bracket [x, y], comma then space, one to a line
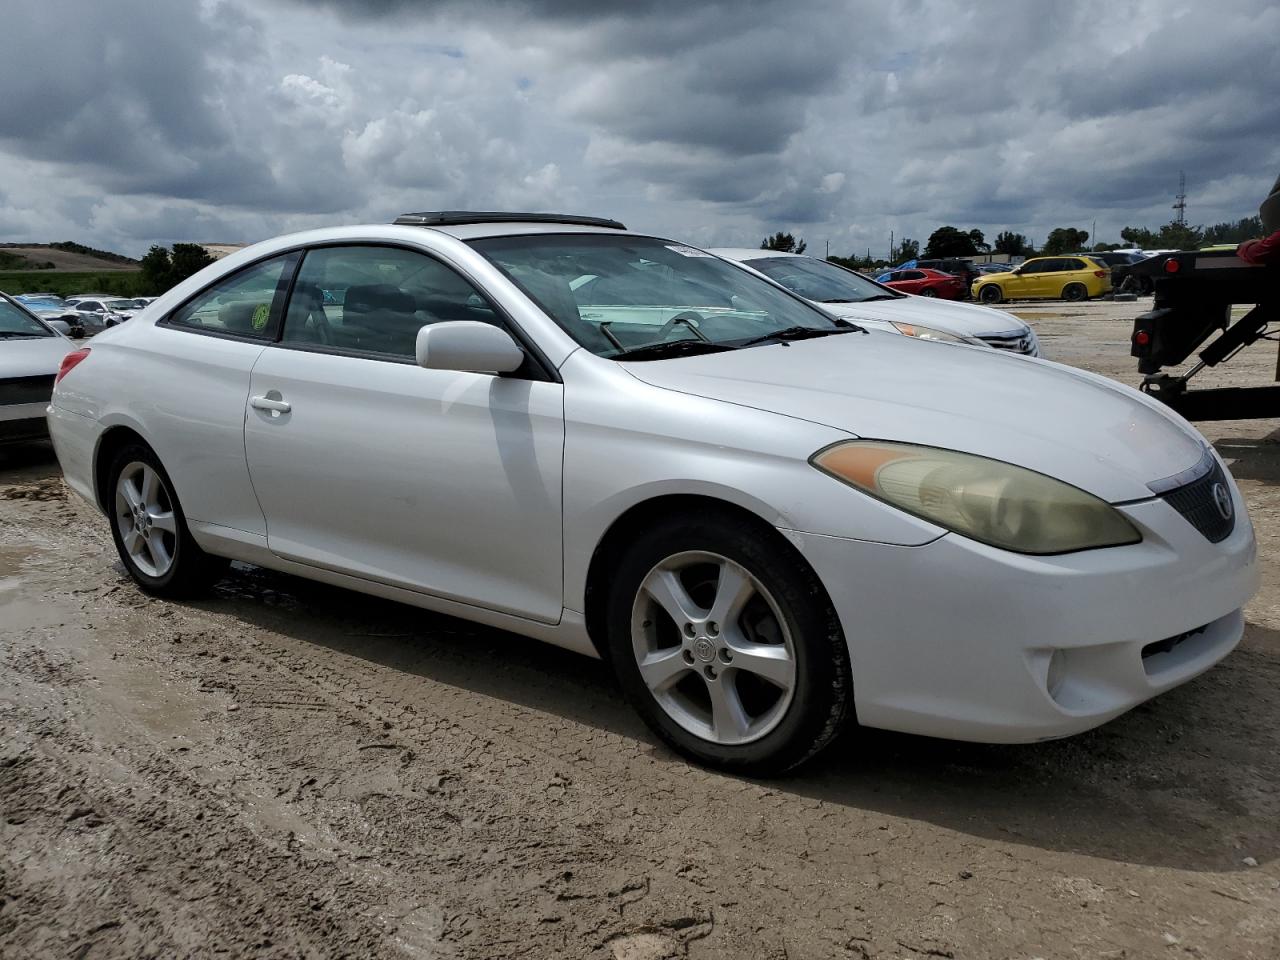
[928, 292]
[150, 529]
[728, 646]
[991, 293]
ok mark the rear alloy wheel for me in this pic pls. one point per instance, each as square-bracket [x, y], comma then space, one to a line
[150, 530]
[728, 649]
[1075, 292]
[991, 293]
[928, 292]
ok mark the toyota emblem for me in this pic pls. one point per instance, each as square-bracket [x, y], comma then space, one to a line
[1222, 500]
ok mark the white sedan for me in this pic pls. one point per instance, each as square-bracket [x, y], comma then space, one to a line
[30, 351]
[847, 294]
[767, 521]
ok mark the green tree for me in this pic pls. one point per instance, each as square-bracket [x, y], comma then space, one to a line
[162, 268]
[1065, 240]
[908, 249]
[1139, 237]
[157, 270]
[950, 242]
[1245, 229]
[979, 241]
[188, 259]
[1014, 244]
[784, 242]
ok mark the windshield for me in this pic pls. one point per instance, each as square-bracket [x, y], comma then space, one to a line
[614, 294]
[820, 280]
[120, 305]
[16, 322]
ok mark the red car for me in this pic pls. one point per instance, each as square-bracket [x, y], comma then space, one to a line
[927, 283]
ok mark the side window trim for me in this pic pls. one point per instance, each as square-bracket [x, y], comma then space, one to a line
[539, 368]
[292, 261]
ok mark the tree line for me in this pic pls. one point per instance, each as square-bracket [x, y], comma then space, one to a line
[950, 241]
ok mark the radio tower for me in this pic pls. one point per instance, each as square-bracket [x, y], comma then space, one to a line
[1181, 204]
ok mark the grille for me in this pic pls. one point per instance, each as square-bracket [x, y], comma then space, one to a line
[1206, 502]
[1168, 644]
[1014, 342]
[26, 390]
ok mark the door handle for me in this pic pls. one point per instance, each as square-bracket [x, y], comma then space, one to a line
[266, 403]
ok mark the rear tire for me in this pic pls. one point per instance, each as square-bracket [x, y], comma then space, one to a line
[991, 293]
[150, 529]
[727, 645]
[1075, 293]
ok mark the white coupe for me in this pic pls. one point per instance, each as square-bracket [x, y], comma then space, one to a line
[847, 294]
[769, 522]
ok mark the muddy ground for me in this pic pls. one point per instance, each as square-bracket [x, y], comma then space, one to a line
[288, 770]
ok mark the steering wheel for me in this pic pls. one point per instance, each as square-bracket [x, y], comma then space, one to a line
[689, 318]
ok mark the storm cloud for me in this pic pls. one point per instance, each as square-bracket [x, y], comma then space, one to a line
[134, 122]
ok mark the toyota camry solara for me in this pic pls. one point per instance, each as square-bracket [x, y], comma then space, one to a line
[770, 523]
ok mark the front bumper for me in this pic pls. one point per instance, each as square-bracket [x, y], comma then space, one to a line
[22, 421]
[956, 639]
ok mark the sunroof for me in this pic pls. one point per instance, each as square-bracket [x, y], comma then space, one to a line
[441, 218]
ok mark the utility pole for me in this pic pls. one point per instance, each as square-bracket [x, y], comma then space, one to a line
[1094, 236]
[1181, 204]
[891, 246]
[828, 249]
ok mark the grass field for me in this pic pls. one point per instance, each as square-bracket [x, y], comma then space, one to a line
[125, 283]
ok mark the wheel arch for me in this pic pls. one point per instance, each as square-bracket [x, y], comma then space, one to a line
[612, 546]
[113, 439]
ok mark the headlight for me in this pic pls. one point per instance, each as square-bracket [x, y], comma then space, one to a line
[929, 333]
[994, 502]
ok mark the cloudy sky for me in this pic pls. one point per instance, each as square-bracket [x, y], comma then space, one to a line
[716, 121]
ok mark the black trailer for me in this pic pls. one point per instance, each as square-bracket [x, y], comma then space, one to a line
[1194, 293]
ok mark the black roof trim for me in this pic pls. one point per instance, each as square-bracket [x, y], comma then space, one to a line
[442, 218]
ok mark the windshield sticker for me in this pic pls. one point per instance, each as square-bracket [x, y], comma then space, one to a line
[687, 251]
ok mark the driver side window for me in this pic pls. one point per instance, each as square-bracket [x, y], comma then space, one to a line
[373, 300]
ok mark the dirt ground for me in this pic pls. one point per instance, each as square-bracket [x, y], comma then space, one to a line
[289, 770]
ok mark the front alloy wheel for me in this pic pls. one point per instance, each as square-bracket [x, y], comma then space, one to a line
[713, 648]
[726, 643]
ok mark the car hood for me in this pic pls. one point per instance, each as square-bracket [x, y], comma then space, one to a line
[965, 318]
[37, 357]
[1101, 437]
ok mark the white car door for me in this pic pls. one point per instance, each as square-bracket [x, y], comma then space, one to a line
[443, 482]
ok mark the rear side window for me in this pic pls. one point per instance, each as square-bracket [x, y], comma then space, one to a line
[245, 304]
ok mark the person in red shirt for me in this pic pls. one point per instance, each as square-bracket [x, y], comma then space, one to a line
[1267, 250]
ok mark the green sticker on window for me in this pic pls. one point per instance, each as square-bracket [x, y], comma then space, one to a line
[260, 316]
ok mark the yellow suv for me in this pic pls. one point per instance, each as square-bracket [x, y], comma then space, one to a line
[1066, 278]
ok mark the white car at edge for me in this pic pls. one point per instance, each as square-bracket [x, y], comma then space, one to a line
[31, 349]
[847, 294]
[769, 522]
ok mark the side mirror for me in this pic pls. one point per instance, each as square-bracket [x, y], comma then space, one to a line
[61, 326]
[468, 345]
